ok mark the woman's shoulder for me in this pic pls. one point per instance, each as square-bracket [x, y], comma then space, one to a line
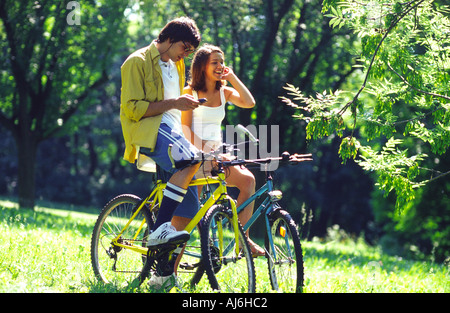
[227, 91]
[187, 90]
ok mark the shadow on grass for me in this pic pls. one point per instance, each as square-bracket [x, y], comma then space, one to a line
[330, 254]
[335, 254]
[15, 217]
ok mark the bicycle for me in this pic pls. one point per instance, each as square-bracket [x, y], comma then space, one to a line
[217, 237]
[282, 242]
[118, 246]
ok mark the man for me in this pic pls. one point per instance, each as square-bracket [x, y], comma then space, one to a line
[150, 113]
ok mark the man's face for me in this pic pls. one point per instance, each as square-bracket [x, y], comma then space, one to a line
[180, 50]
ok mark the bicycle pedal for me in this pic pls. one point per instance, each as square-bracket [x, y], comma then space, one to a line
[174, 243]
[163, 248]
[153, 248]
[186, 266]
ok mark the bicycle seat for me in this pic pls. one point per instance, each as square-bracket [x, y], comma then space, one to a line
[144, 162]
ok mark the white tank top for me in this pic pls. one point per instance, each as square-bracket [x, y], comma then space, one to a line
[206, 121]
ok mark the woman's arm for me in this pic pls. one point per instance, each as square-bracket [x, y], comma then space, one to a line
[239, 94]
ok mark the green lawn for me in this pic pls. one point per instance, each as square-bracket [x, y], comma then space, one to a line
[48, 251]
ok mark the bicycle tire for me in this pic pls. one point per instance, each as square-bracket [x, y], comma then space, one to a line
[230, 273]
[190, 268]
[286, 273]
[113, 264]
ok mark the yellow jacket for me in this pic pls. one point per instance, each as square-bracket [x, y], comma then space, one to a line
[141, 84]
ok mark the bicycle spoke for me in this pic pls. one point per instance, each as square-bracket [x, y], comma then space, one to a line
[286, 262]
[112, 263]
[226, 271]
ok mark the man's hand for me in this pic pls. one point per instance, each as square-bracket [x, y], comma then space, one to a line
[182, 103]
[186, 103]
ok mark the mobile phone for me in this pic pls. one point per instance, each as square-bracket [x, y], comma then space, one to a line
[202, 100]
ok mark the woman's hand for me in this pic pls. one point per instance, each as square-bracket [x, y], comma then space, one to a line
[227, 73]
[240, 95]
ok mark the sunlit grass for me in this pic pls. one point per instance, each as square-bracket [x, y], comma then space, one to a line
[356, 268]
[48, 251]
[44, 251]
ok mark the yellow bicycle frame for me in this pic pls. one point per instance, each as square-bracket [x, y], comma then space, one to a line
[219, 194]
[156, 197]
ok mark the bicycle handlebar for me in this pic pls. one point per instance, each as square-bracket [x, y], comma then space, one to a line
[285, 158]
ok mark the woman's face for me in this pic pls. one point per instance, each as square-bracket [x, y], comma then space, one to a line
[215, 66]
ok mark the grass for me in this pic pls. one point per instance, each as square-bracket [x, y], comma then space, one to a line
[48, 251]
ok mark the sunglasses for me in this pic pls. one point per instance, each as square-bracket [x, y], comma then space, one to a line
[187, 49]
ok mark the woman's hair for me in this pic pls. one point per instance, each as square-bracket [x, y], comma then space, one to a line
[198, 66]
[181, 29]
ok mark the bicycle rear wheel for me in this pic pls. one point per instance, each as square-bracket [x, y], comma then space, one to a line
[226, 271]
[113, 264]
[285, 258]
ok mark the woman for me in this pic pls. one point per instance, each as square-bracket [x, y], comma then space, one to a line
[202, 126]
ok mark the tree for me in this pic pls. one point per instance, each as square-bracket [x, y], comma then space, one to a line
[55, 55]
[406, 60]
[85, 167]
[269, 43]
[401, 107]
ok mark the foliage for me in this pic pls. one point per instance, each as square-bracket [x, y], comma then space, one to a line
[56, 240]
[54, 57]
[401, 110]
[268, 43]
[393, 161]
[405, 92]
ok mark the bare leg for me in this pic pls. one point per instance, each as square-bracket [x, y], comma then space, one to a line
[244, 180]
[183, 178]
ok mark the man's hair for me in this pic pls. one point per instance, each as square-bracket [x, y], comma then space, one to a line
[198, 66]
[181, 29]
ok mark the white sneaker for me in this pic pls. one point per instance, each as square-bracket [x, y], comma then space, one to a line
[166, 233]
[163, 283]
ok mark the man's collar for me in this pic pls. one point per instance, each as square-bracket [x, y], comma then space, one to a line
[154, 53]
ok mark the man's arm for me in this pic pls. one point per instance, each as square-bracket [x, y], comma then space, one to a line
[133, 95]
[182, 103]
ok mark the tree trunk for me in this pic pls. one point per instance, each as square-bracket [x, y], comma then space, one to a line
[273, 25]
[27, 150]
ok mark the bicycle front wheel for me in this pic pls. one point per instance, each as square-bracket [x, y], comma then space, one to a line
[226, 270]
[285, 258]
[113, 264]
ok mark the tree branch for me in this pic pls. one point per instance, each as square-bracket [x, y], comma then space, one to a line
[436, 177]
[348, 104]
[72, 110]
[416, 89]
